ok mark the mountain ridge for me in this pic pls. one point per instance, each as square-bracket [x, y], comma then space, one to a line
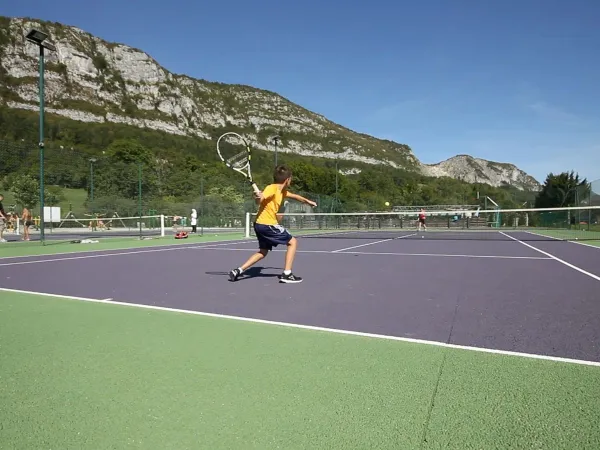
[92, 80]
[474, 170]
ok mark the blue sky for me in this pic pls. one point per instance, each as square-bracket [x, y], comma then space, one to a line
[505, 80]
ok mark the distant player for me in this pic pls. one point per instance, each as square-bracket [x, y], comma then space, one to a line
[269, 232]
[421, 220]
[26, 217]
[3, 219]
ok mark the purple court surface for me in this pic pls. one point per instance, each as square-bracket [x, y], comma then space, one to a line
[532, 297]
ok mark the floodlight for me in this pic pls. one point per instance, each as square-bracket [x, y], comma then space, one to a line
[40, 38]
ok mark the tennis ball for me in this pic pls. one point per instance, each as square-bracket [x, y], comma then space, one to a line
[387, 203]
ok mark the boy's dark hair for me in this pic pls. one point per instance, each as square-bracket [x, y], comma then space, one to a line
[281, 173]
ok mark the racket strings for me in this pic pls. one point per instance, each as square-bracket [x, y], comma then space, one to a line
[238, 160]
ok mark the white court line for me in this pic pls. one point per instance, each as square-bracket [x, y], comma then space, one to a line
[597, 247]
[329, 252]
[315, 328]
[104, 255]
[572, 266]
[372, 243]
[160, 247]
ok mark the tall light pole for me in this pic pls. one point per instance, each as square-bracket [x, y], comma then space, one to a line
[140, 195]
[92, 161]
[275, 140]
[337, 172]
[39, 38]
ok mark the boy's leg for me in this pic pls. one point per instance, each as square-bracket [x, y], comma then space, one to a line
[256, 257]
[290, 254]
[288, 276]
[264, 246]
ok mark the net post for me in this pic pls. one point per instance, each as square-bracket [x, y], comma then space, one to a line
[247, 227]
[162, 225]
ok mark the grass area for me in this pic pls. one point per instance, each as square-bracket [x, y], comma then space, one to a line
[95, 375]
[32, 248]
[74, 199]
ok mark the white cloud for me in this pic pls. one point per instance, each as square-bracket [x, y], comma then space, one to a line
[555, 114]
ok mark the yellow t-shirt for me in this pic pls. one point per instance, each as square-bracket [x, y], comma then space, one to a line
[269, 207]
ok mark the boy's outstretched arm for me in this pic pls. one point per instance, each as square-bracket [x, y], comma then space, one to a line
[299, 198]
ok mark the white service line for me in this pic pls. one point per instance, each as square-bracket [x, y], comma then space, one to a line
[329, 252]
[316, 328]
[218, 244]
[572, 266]
[372, 243]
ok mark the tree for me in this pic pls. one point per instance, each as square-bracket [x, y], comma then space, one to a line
[53, 195]
[118, 174]
[564, 189]
[129, 151]
[26, 190]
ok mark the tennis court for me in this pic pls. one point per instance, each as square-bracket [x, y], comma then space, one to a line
[396, 340]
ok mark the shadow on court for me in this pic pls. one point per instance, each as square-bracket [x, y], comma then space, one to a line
[252, 272]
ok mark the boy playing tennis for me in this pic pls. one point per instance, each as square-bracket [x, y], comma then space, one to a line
[268, 231]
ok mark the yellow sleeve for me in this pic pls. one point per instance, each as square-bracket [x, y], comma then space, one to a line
[268, 192]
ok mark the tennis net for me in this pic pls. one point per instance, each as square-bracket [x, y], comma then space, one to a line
[547, 224]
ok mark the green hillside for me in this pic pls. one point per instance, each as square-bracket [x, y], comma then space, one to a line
[180, 172]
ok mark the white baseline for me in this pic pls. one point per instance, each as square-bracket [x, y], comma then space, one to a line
[315, 328]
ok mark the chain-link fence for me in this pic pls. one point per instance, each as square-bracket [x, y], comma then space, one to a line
[594, 193]
[82, 185]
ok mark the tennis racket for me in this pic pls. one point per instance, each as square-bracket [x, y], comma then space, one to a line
[235, 152]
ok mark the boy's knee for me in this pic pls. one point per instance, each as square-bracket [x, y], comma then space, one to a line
[292, 242]
[263, 251]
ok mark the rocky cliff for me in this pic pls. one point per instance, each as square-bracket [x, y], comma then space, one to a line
[476, 170]
[91, 80]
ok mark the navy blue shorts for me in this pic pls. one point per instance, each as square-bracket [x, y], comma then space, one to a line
[270, 236]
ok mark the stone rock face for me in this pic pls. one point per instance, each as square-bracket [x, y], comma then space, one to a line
[90, 80]
[475, 170]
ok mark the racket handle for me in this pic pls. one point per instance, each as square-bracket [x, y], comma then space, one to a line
[255, 188]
